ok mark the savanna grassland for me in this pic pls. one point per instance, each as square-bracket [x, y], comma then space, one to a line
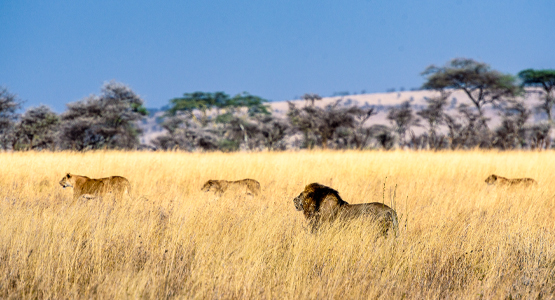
[458, 237]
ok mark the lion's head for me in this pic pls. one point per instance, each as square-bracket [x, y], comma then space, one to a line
[66, 181]
[491, 179]
[316, 197]
[210, 185]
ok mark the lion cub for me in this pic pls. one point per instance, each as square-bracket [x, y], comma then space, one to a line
[248, 186]
[502, 181]
[90, 188]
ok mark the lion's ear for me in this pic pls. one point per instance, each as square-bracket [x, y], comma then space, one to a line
[494, 176]
[68, 175]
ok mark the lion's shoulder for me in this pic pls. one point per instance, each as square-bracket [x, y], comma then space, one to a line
[248, 182]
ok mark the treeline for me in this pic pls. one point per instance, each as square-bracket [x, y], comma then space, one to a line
[106, 121]
[220, 122]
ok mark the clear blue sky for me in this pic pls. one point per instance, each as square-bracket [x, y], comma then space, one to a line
[55, 52]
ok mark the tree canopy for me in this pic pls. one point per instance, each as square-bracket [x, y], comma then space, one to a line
[540, 78]
[205, 101]
[482, 84]
[544, 79]
[105, 121]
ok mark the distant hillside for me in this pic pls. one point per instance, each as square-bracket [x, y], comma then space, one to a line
[381, 101]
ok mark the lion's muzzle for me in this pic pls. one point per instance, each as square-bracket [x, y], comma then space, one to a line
[298, 203]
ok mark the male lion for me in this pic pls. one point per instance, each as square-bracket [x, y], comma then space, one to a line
[502, 181]
[248, 186]
[320, 203]
[85, 186]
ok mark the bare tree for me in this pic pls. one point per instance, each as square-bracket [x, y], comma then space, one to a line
[512, 134]
[384, 136]
[320, 123]
[434, 115]
[9, 104]
[273, 131]
[539, 136]
[469, 133]
[184, 134]
[402, 118]
[362, 134]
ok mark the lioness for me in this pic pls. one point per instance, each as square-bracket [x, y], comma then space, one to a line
[248, 186]
[85, 186]
[502, 181]
[320, 203]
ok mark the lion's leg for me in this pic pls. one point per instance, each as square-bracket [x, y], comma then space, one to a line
[76, 194]
[88, 196]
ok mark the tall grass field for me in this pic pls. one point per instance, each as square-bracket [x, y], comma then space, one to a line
[458, 237]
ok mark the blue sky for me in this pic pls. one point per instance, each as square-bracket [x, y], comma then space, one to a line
[55, 52]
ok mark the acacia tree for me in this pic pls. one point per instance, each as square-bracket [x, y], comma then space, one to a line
[186, 135]
[361, 134]
[273, 131]
[402, 118]
[320, 124]
[479, 82]
[512, 134]
[37, 129]
[104, 121]
[434, 115]
[9, 104]
[310, 97]
[469, 133]
[544, 79]
[229, 128]
[201, 102]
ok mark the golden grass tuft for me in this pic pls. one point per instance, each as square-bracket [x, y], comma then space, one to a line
[459, 238]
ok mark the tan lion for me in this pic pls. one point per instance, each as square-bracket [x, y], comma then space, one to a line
[248, 186]
[502, 181]
[90, 188]
[320, 203]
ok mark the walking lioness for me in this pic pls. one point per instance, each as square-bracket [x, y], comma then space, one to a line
[88, 187]
[502, 181]
[248, 186]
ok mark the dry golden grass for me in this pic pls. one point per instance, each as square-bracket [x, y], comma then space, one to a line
[459, 238]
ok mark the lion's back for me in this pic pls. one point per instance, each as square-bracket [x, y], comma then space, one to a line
[251, 184]
[522, 181]
[117, 181]
[383, 214]
[91, 186]
[514, 182]
[116, 184]
[374, 209]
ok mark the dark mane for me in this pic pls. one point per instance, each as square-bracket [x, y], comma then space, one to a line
[318, 192]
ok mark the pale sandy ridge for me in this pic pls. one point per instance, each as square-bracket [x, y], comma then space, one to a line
[382, 102]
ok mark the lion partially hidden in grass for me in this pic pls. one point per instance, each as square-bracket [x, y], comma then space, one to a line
[502, 181]
[320, 204]
[248, 186]
[84, 186]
